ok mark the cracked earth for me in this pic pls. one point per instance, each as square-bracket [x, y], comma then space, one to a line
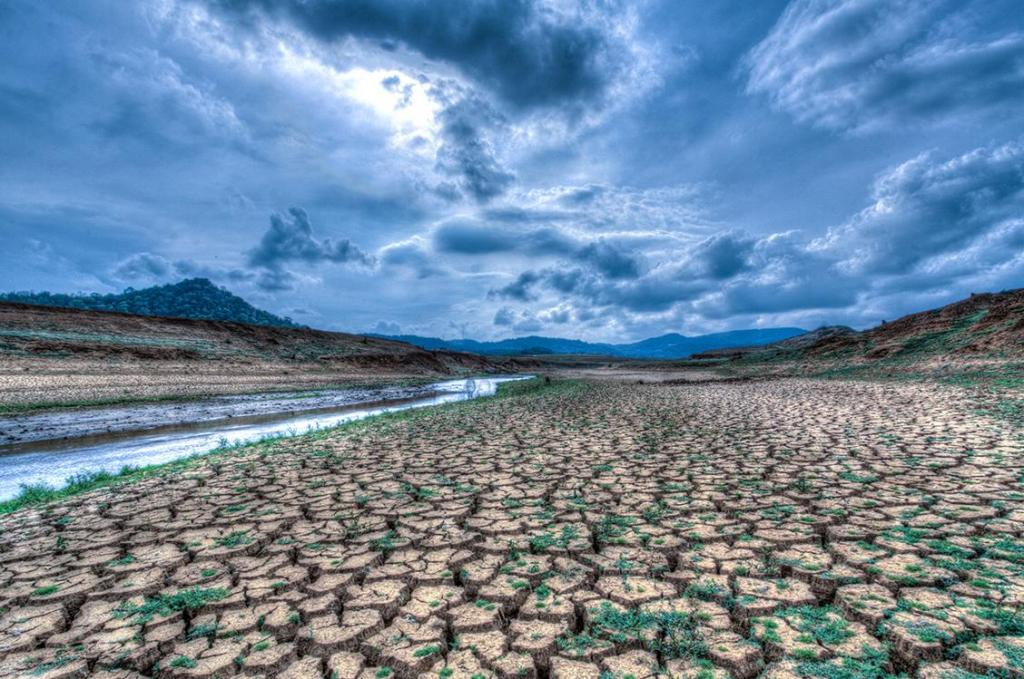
[782, 529]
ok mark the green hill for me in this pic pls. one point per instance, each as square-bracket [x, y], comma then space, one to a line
[191, 298]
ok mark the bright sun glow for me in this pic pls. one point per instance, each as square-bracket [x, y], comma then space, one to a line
[400, 101]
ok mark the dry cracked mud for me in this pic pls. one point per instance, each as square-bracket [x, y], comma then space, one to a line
[790, 528]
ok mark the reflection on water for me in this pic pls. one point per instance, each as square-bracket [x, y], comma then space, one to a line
[54, 461]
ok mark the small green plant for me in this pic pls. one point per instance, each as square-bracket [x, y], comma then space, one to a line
[199, 631]
[123, 561]
[426, 650]
[163, 605]
[60, 659]
[234, 539]
[385, 543]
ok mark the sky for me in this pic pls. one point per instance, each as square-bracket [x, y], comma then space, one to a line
[599, 169]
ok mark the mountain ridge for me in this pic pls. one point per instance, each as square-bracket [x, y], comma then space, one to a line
[667, 346]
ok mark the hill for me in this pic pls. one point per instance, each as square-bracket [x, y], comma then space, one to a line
[52, 355]
[808, 339]
[191, 298]
[672, 345]
[982, 327]
[983, 324]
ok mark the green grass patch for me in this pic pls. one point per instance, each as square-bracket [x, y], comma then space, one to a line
[673, 634]
[41, 493]
[163, 605]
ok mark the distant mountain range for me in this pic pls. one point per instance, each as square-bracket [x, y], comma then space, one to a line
[191, 298]
[672, 345]
[198, 298]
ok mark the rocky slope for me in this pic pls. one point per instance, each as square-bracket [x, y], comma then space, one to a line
[983, 327]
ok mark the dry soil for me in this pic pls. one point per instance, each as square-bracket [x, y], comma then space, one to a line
[789, 528]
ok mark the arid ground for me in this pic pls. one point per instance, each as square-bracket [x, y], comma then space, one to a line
[786, 528]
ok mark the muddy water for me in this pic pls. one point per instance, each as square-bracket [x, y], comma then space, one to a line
[53, 461]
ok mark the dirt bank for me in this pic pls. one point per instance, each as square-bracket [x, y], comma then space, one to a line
[51, 356]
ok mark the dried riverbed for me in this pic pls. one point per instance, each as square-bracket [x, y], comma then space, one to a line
[227, 421]
[776, 529]
[77, 422]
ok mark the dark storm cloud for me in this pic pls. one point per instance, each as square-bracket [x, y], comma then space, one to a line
[786, 274]
[725, 254]
[521, 289]
[290, 238]
[276, 280]
[470, 237]
[565, 280]
[148, 268]
[473, 237]
[411, 255]
[504, 316]
[752, 298]
[701, 276]
[465, 153]
[606, 273]
[529, 55]
[558, 316]
[658, 290]
[526, 286]
[144, 265]
[853, 64]
[609, 260]
[526, 321]
[648, 295]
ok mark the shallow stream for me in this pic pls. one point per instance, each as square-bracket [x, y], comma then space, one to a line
[53, 461]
